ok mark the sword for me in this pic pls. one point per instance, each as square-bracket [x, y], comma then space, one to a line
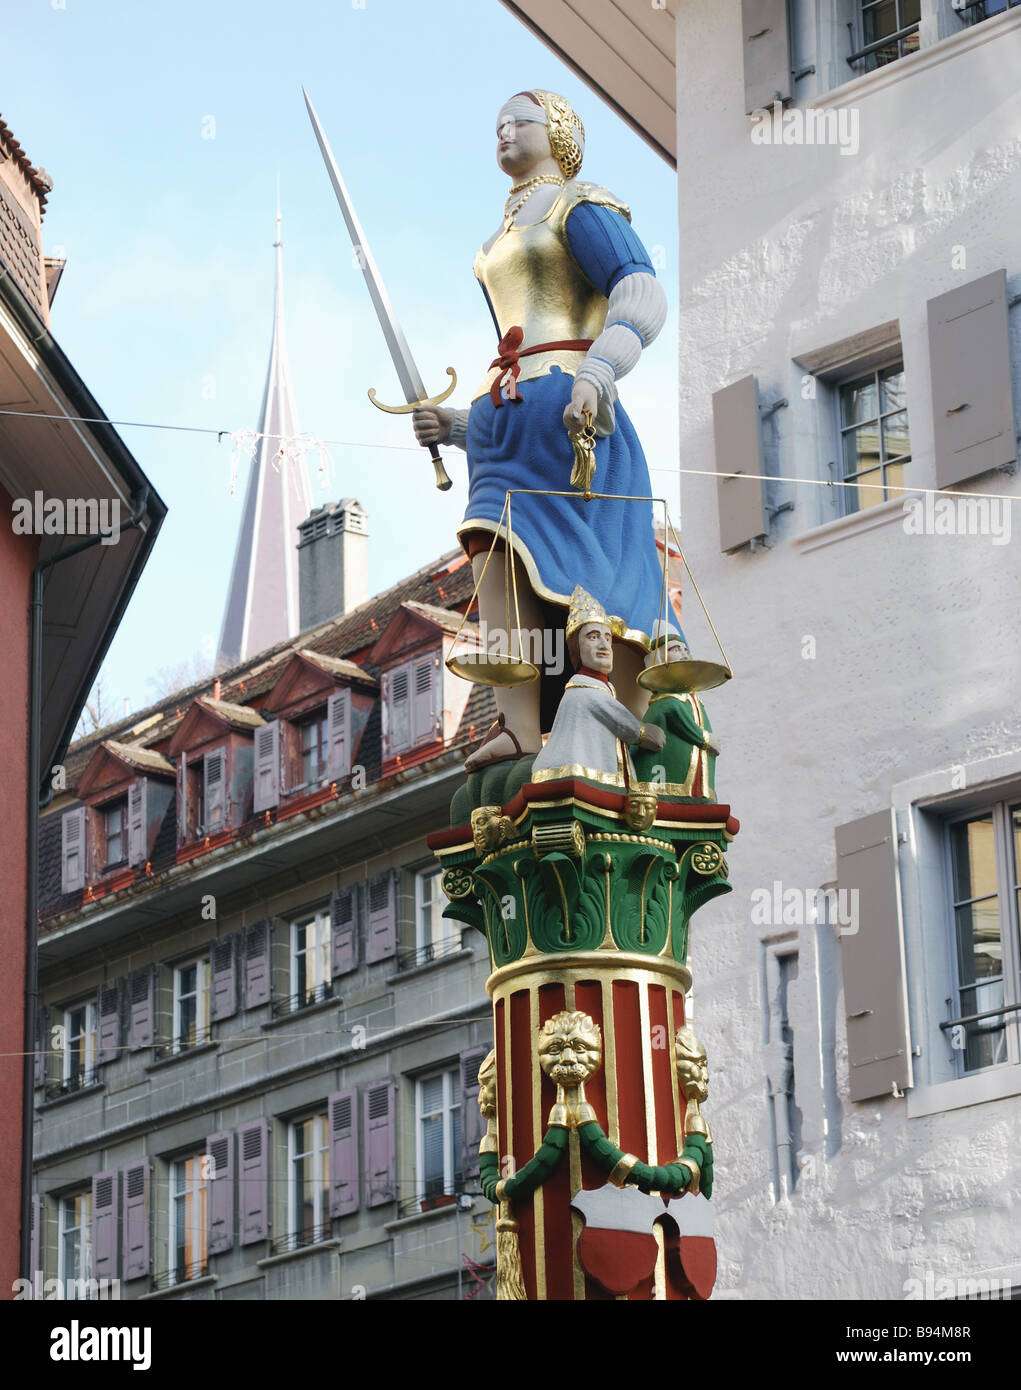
[407, 372]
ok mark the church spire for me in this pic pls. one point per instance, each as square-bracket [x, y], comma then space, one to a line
[262, 601]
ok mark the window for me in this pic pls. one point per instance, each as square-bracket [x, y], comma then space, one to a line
[114, 823]
[189, 1196]
[74, 1257]
[984, 854]
[310, 959]
[439, 1136]
[191, 1004]
[435, 936]
[409, 713]
[309, 1169]
[314, 748]
[79, 1046]
[889, 30]
[874, 440]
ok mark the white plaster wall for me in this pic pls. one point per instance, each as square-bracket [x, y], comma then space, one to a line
[918, 639]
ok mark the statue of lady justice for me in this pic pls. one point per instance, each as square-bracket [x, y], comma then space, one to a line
[575, 299]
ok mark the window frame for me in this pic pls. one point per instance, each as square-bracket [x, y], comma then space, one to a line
[453, 1177]
[177, 1193]
[84, 1231]
[452, 936]
[320, 718]
[87, 1073]
[321, 1226]
[848, 377]
[322, 990]
[203, 1001]
[102, 812]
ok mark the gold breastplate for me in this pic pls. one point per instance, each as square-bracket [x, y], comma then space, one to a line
[533, 281]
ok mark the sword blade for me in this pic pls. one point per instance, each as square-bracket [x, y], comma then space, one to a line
[408, 374]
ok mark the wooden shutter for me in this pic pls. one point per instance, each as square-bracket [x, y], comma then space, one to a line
[214, 790]
[42, 1044]
[257, 944]
[473, 1126]
[423, 701]
[267, 767]
[105, 1214]
[344, 931]
[396, 710]
[344, 1167]
[72, 850]
[142, 988]
[138, 846]
[36, 1237]
[767, 53]
[220, 1208]
[381, 934]
[875, 998]
[738, 450]
[969, 356]
[380, 1157]
[338, 733]
[108, 1013]
[253, 1189]
[135, 1227]
[182, 800]
[224, 968]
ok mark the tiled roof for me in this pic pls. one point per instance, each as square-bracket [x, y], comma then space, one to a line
[40, 180]
[239, 715]
[146, 758]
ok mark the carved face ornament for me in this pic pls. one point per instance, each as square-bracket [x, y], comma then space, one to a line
[570, 1048]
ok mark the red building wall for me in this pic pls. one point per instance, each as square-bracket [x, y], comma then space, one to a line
[17, 559]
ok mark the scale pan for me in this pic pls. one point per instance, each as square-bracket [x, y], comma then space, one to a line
[683, 677]
[485, 668]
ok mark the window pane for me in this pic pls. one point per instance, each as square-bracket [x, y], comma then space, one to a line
[869, 495]
[456, 1145]
[895, 476]
[858, 401]
[986, 1040]
[910, 12]
[1016, 820]
[895, 435]
[861, 449]
[432, 1095]
[880, 19]
[891, 389]
[973, 852]
[980, 954]
[432, 1154]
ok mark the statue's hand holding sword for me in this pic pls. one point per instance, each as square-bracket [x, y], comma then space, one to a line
[429, 430]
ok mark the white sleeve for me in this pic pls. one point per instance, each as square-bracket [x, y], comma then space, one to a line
[459, 430]
[635, 313]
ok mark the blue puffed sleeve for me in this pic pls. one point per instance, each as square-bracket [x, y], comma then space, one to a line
[604, 246]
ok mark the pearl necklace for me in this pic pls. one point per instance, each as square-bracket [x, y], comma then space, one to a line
[527, 189]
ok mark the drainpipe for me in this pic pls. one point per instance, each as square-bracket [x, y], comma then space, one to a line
[36, 801]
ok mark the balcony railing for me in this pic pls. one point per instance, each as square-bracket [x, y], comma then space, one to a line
[177, 1046]
[77, 1081]
[298, 1240]
[887, 49]
[294, 1003]
[181, 1275]
[435, 950]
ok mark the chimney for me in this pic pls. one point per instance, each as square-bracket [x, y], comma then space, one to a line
[333, 561]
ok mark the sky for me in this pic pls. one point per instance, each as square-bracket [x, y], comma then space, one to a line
[165, 129]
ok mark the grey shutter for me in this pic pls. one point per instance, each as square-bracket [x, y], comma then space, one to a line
[344, 931]
[42, 1044]
[342, 1110]
[72, 850]
[105, 1216]
[108, 1013]
[878, 1046]
[214, 791]
[182, 800]
[738, 450]
[138, 839]
[253, 1188]
[381, 933]
[135, 1227]
[767, 53]
[267, 767]
[142, 987]
[220, 1211]
[423, 701]
[257, 965]
[397, 710]
[224, 967]
[35, 1262]
[338, 733]
[473, 1126]
[969, 355]
[380, 1157]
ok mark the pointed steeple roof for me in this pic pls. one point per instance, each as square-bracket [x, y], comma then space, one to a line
[262, 601]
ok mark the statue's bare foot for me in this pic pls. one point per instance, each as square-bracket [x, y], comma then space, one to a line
[498, 746]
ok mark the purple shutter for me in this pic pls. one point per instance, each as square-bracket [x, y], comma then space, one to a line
[138, 846]
[344, 1168]
[344, 931]
[220, 1211]
[380, 1158]
[135, 1228]
[35, 1260]
[72, 850]
[381, 940]
[108, 1012]
[338, 733]
[423, 702]
[223, 962]
[42, 1044]
[182, 800]
[257, 965]
[142, 985]
[213, 790]
[473, 1127]
[253, 1190]
[267, 767]
[397, 710]
[105, 1194]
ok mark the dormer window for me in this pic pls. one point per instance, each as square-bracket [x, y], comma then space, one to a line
[115, 833]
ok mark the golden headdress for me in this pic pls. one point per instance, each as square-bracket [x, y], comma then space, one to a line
[566, 132]
[584, 609]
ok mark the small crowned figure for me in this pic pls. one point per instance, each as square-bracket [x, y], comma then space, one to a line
[592, 729]
[684, 768]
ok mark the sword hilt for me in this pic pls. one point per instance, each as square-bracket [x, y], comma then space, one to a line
[442, 481]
